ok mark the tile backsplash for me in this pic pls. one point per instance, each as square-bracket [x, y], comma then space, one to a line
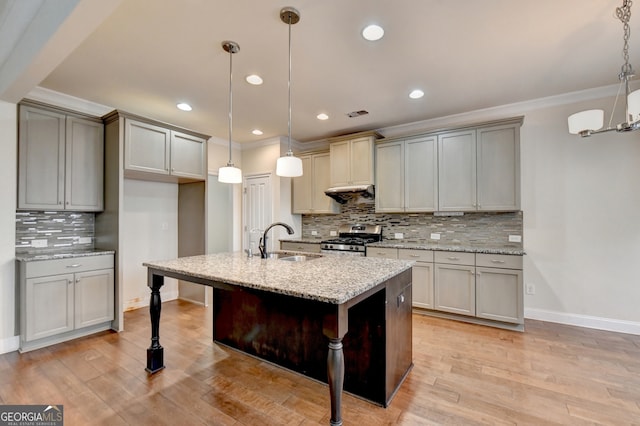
[476, 229]
[48, 232]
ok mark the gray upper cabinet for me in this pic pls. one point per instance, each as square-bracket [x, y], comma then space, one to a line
[390, 177]
[352, 161]
[471, 169]
[147, 147]
[308, 189]
[498, 168]
[407, 175]
[156, 152]
[457, 171]
[60, 160]
[187, 155]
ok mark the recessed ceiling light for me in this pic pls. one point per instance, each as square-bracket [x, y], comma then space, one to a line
[184, 106]
[373, 32]
[322, 116]
[257, 132]
[416, 94]
[254, 79]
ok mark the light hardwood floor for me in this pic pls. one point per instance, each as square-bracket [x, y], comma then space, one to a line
[463, 375]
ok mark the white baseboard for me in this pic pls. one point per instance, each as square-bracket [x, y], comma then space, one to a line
[9, 344]
[133, 304]
[586, 321]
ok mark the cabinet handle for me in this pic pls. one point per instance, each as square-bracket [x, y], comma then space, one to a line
[414, 255]
[299, 247]
[75, 265]
[453, 258]
[497, 261]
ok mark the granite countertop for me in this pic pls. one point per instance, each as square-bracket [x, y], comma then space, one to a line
[469, 248]
[327, 278]
[62, 255]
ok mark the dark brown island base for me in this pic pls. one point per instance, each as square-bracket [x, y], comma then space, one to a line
[344, 320]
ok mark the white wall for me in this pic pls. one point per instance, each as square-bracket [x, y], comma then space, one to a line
[8, 170]
[150, 232]
[218, 156]
[581, 227]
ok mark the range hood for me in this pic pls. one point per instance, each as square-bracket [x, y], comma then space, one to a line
[339, 193]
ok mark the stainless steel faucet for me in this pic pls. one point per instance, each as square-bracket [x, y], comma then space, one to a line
[262, 245]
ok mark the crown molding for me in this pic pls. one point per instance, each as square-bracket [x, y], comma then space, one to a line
[62, 100]
[492, 113]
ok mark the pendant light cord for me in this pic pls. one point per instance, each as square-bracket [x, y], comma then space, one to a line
[289, 87]
[230, 102]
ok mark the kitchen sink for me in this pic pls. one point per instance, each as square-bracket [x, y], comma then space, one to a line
[288, 257]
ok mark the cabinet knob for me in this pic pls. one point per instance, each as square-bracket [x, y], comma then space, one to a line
[77, 280]
[69, 281]
[59, 202]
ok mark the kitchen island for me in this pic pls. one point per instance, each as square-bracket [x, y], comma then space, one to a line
[290, 312]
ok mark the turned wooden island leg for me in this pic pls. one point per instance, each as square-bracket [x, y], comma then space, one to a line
[335, 372]
[155, 352]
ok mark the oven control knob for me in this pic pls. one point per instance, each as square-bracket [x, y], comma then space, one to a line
[331, 246]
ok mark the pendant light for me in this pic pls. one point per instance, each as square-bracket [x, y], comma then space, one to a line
[230, 173]
[587, 123]
[289, 165]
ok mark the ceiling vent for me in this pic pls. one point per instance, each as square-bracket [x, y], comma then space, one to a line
[357, 113]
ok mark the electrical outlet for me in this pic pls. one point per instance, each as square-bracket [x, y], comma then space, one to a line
[398, 235]
[84, 240]
[515, 238]
[435, 236]
[39, 243]
[332, 233]
[165, 226]
[531, 289]
[314, 232]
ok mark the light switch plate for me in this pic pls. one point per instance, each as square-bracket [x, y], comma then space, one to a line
[84, 240]
[398, 235]
[435, 236]
[515, 238]
[39, 243]
[333, 233]
[314, 232]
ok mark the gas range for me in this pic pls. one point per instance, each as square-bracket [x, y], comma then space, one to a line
[352, 239]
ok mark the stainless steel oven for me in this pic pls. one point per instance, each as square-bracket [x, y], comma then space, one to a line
[352, 239]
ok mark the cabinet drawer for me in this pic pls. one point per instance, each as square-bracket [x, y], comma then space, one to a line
[499, 261]
[307, 247]
[41, 268]
[384, 252]
[417, 255]
[455, 258]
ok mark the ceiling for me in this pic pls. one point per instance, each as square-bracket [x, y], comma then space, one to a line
[465, 55]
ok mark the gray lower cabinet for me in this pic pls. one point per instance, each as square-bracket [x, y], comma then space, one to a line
[299, 246]
[455, 287]
[421, 273]
[499, 288]
[422, 276]
[63, 299]
[60, 160]
[474, 287]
